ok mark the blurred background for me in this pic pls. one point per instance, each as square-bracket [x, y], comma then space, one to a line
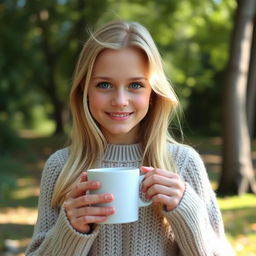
[209, 50]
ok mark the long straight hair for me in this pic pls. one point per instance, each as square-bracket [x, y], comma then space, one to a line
[87, 141]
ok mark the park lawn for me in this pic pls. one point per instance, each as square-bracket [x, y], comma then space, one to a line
[19, 190]
[239, 216]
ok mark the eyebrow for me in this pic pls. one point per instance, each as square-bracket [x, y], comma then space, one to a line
[109, 78]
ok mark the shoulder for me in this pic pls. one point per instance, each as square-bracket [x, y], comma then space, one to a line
[183, 154]
[55, 164]
[191, 167]
[58, 158]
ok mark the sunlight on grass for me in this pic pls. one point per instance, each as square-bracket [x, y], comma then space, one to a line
[247, 200]
[26, 188]
[244, 245]
[24, 193]
[18, 215]
[239, 215]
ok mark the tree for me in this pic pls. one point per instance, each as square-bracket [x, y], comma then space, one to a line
[60, 27]
[251, 84]
[38, 52]
[50, 35]
[237, 176]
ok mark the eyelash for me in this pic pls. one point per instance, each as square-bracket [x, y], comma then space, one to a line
[103, 85]
[138, 84]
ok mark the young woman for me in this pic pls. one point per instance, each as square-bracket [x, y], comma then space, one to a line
[122, 104]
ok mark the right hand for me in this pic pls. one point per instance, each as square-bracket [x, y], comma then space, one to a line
[79, 205]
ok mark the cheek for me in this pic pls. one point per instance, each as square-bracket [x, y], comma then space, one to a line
[96, 102]
[143, 102]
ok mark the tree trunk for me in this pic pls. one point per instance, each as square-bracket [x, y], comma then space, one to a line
[50, 86]
[251, 85]
[237, 175]
[57, 107]
[51, 53]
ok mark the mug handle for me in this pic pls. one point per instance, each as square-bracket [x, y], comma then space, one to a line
[141, 202]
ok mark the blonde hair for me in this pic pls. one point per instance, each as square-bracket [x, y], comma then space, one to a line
[87, 141]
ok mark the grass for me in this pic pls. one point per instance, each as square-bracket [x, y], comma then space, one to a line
[240, 222]
[238, 212]
[19, 190]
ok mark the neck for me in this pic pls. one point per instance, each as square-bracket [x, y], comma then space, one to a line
[124, 139]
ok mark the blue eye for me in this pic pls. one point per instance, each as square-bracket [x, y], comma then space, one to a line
[104, 85]
[135, 85]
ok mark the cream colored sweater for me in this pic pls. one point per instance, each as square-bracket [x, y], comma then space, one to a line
[194, 228]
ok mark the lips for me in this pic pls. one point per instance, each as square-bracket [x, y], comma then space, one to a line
[119, 115]
[123, 114]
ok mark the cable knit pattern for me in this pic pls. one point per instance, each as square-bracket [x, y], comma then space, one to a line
[193, 228]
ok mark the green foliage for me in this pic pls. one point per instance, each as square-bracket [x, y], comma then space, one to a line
[9, 141]
[193, 39]
[40, 45]
[38, 50]
[10, 169]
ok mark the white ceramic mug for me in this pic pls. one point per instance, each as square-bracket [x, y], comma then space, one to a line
[124, 184]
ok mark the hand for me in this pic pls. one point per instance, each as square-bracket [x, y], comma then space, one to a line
[79, 205]
[163, 187]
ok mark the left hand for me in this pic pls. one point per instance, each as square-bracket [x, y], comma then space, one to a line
[163, 187]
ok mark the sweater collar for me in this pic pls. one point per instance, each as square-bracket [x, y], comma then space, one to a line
[123, 153]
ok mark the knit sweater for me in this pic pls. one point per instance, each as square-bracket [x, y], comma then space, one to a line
[193, 228]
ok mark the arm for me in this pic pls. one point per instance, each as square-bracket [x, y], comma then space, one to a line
[189, 205]
[53, 234]
[196, 222]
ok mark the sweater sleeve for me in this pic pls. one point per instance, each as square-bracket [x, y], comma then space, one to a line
[53, 235]
[196, 222]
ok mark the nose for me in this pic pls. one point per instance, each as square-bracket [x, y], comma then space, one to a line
[120, 98]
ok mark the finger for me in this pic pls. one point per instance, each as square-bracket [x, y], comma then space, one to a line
[160, 172]
[80, 188]
[156, 179]
[170, 202]
[158, 176]
[146, 169]
[85, 220]
[160, 189]
[89, 199]
[84, 176]
[92, 211]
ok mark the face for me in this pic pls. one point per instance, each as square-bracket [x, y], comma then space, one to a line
[119, 94]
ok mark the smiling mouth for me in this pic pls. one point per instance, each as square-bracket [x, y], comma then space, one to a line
[125, 114]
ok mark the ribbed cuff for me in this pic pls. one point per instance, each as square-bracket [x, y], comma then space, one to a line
[188, 221]
[68, 241]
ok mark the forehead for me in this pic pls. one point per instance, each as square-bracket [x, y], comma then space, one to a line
[126, 60]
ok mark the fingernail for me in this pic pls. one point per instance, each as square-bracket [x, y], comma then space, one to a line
[146, 168]
[95, 184]
[107, 197]
[110, 210]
